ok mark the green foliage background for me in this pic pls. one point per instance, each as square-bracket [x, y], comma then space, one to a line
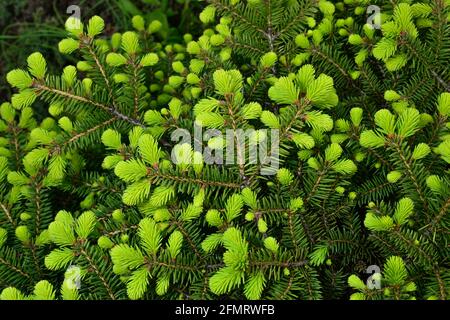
[92, 205]
[28, 26]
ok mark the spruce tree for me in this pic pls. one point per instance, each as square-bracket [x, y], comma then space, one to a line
[99, 201]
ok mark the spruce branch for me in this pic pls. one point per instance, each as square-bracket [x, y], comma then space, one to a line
[98, 273]
[112, 110]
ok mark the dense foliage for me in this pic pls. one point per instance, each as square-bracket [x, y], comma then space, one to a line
[98, 201]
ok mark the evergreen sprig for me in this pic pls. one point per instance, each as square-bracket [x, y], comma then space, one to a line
[99, 200]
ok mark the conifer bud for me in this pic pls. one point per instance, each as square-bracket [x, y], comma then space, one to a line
[41, 136]
[208, 14]
[105, 243]
[187, 38]
[369, 31]
[121, 78]
[223, 30]
[284, 176]
[7, 112]
[192, 78]
[326, 7]
[434, 183]
[154, 87]
[249, 216]
[118, 215]
[213, 218]
[55, 109]
[225, 54]
[196, 65]
[302, 41]
[66, 124]
[68, 45]
[116, 40]
[340, 23]
[340, 190]
[216, 40]
[271, 244]
[356, 116]
[311, 22]
[196, 92]
[301, 58]
[355, 39]
[175, 81]
[154, 26]
[150, 59]
[349, 21]
[74, 26]
[355, 282]
[161, 215]
[159, 75]
[193, 47]
[95, 26]
[19, 78]
[87, 85]
[83, 66]
[262, 225]
[130, 42]
[296, 204]
[391, 95]
[360, 156]
[69, 75]
[25, 216]
[178, 67]
[343, 32]
[355, 74]
[169, 90]
[88, 202]
[394, 176]
[37, 65]
[269, 59]
[138, 23]
[313, 163]
[23, 234]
